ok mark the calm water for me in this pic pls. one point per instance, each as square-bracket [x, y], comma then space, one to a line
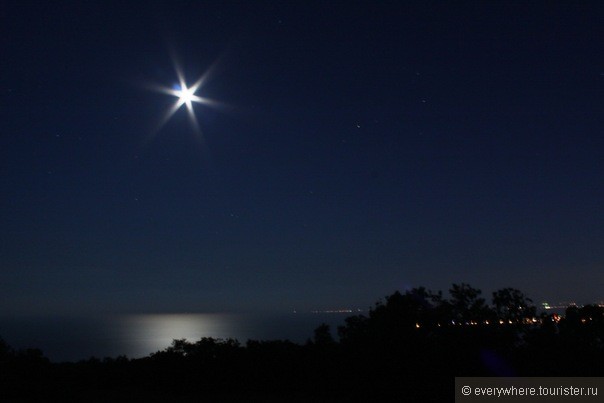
[72, 339]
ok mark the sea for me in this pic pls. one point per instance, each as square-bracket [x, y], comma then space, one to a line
[71, 339]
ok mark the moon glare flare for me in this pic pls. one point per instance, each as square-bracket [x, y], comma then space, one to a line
[186, 96]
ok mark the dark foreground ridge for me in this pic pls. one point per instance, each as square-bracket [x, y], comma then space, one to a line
[408, 348]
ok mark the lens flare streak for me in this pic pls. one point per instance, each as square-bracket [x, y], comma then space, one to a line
[186, 96]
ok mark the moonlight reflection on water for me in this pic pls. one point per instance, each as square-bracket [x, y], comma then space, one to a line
[138, 335]
[144, 334]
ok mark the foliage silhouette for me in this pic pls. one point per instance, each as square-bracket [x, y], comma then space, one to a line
[411, 344]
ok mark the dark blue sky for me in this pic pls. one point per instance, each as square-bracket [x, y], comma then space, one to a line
[365, 147]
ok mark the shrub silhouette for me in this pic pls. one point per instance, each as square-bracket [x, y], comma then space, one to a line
[410, 343]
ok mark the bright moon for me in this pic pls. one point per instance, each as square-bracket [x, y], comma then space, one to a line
[186, 96]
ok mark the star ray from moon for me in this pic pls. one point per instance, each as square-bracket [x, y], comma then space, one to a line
[186, 95]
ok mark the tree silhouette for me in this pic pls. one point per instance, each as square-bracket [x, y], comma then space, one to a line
[6, 351]
[410, 343]
[322, 336]
[512, 305]
[355, 330]
[467, 305]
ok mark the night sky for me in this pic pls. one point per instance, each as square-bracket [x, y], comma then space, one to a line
[358, 148]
